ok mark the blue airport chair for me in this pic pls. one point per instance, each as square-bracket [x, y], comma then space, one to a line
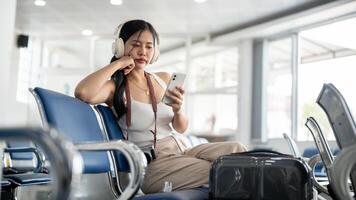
[20, 144]
[5, 182]
[19, 169]
[22, 174]
[113, 131]
[324, 154]
[64, 159]
[342, 123]
[25, 175]
[78, 122]
[21, 158]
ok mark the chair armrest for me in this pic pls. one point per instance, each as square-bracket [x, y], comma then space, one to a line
[39, 156]
[313, 161]
[66, 161]
[320, 142]
[135, 157]
[340, 172]
[292, 145]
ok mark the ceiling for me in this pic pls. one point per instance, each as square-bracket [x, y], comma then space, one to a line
[173, 19]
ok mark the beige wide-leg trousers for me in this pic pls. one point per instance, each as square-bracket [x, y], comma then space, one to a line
[184, 167]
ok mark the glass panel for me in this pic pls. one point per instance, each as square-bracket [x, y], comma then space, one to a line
[170, 62]
[216, 70]
[279, 87]
[322, 62]
[226, 68]
[324, 42]
[312, 76]
[170, 68]
[202, 73]
[29, 73]
[24, 73]
[211, 95]
[65, 53]
[213, 113]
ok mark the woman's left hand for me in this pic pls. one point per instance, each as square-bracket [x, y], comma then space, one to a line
[177, 98]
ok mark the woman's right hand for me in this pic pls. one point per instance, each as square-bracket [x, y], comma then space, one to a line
[127, 64]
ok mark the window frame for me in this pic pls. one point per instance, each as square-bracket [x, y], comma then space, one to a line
[259, 128]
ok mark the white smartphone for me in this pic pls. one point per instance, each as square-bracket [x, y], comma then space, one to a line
[177, 79]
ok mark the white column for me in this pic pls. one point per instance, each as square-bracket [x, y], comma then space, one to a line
[244, 91]
[92, 49]
[188, 82]
[7, 42]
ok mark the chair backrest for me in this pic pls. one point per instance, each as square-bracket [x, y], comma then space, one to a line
[75, 119]
[292, 145]
[113, 132]
[20, 156]
[334, 104]
[339, 115]
[320, 142]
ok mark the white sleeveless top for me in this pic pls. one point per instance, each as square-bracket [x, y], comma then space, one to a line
[142, 120]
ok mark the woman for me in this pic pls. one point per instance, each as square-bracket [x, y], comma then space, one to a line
[135, 98]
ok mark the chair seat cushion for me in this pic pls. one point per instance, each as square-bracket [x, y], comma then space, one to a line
[29, 179]
[189, 194]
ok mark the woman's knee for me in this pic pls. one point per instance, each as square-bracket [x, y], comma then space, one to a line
[192, 173]
[238, 147]
[149, 188]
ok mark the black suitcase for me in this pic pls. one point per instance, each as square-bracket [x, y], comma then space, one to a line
[260, 175]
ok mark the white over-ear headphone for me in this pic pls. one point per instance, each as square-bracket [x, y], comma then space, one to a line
[118, 46]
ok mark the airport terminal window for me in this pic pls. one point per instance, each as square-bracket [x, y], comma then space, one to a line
[211, 91]
[29, 73]
[327, 54]
[170, 62]
[67, 62]
[216, 70]
[213, 114]
[170, 67]
[279, 85]
[24, 75]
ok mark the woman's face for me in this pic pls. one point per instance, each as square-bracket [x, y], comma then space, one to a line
[140, 47]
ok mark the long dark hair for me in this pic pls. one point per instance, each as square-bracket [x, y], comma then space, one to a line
[128, 29]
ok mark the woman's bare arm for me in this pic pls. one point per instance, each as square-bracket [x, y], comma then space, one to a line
[180, 121]
[96, 87]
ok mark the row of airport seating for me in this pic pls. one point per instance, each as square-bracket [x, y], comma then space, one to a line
[337, 164]
[94, 132]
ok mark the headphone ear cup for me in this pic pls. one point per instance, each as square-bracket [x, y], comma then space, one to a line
[118, 48]
[113, 47]
[155, 55]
